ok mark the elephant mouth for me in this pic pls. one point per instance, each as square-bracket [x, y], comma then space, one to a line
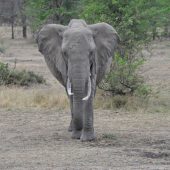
[69, 89]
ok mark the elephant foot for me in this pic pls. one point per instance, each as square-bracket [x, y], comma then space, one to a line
[76, 134]
[87, 136]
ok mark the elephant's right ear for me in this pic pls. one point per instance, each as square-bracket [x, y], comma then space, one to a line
[49, 41]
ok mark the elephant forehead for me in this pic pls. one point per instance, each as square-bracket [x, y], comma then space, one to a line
[76, 38]
[75, 33]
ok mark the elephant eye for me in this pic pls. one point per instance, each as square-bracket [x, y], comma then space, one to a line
[65, 55]
[91, 54]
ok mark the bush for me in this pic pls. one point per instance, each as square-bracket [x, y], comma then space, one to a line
[2, 47]
[109, 136]
[21, 78]
[123, 78]
[119, 101]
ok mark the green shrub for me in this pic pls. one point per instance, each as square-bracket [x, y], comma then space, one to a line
[143, 90]
[2, 47]
[119, 101]
[15, 77]
[109, 136]
[123, 78]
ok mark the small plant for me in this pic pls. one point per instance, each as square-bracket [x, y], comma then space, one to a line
[143, 90]
[2, 47]
[119, 101]
[15, 77]
[109, 136]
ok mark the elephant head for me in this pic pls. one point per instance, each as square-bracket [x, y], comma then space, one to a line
[78, 55]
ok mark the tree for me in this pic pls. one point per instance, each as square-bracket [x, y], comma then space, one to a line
[8, 12]
[23, 18]
[133, 19]
[53, 11]
[136, 22]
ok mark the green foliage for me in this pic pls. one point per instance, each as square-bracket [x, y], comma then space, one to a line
[21, 78]
[109, 136]
[123, 77]
[119, 101]
[2, 47]
[57, 11]
[133, 19]
[136, 22]
[143, 90]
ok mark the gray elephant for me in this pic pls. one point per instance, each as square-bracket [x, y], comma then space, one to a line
[79, 55]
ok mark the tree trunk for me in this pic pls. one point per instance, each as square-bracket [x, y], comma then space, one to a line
[154, 33]
[166, 30]
[12, 28]
[24, 31]
[24, 21]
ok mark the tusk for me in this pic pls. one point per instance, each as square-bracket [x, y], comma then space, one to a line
[69, 87]
[89, 90]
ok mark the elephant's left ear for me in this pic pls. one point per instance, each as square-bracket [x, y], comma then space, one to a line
[106, 40]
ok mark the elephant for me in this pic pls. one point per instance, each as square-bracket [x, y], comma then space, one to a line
[78, 56]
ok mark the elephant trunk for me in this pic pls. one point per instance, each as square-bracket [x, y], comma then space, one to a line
[78, 88]
[69, 89]
[79, 84]
[81, 89]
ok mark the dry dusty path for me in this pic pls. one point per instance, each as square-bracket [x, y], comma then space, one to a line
[39, 140]
[34, 139]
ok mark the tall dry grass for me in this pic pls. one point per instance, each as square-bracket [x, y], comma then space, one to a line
[16, 97]
[54, 98]
[132, 103]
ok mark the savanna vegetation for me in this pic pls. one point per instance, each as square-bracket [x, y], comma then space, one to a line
[10, 76]
[137, 22]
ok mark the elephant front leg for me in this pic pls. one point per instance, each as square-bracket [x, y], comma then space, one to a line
[88, 129]
[77, 121]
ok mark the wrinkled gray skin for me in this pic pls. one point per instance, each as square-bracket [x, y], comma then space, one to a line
[75, 53]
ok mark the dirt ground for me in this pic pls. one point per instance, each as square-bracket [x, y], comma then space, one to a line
[37, 139]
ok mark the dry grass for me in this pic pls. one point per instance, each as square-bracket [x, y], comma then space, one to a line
[128, 102]
[36, 98]
[51, 98]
